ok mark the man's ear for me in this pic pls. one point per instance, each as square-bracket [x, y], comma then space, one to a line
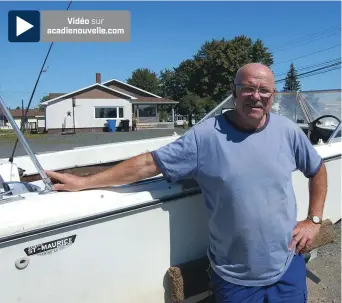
[233, 89]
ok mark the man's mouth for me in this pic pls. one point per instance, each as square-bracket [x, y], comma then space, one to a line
[255, 106]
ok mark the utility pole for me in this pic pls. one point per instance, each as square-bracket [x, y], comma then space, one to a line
[73, 112]
[22, 115]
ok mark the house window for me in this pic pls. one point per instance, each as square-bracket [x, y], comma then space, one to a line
[121, 115]
[109, 112]
[147, 111]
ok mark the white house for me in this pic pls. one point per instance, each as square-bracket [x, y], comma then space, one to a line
[89, 108]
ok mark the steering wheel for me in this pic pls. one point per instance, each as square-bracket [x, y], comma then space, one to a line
[315, 133]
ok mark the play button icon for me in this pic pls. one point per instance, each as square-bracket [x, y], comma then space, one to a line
[23, 26]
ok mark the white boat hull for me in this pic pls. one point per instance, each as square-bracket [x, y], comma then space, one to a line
[125, 239]
[119, 258]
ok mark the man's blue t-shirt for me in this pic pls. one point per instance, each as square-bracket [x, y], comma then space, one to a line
[245, 177]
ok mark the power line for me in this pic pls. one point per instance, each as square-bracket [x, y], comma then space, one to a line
[307, 39]
[319, 64]
[306, 36]
[303, 56]
[316, 71]
[305, 42]
[321, 72]
[313, 74]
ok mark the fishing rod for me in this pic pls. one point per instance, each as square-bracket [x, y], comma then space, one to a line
[33, 91]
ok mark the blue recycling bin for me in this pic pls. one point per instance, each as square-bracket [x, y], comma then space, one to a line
[111, 125]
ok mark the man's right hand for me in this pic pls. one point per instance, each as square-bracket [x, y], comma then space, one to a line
[68, 182]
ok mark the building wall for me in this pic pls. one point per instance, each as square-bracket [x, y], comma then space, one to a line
[41, 123]
[18, 122]
[57, 113]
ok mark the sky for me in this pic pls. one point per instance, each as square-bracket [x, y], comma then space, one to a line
[165, 33]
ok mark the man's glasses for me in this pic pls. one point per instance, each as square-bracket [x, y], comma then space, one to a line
[248, 90]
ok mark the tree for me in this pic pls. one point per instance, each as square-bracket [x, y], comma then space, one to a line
[169, 84]
[145, 79]
[291, 80]
[217, 62]
[210, 72]
[194, 106]
[45, 98]
[177, 83]
[260, 54]
[288, 106]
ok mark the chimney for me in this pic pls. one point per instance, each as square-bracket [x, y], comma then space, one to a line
[98, 77]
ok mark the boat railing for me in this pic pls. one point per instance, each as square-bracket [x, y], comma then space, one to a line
[304, 105]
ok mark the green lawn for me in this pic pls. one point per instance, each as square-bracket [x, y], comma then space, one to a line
[10, 136]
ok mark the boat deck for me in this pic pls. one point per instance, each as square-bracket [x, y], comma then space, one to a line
[57, 142]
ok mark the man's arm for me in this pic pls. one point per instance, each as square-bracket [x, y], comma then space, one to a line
[318, 192]
[129, 171]
[176, 160]
[312, 166]
[306, 231]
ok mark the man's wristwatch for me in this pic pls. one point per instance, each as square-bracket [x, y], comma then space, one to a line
[315, 219]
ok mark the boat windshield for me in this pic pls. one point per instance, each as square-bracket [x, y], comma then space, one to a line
[318, 113]
[314, 111]
[316, 104]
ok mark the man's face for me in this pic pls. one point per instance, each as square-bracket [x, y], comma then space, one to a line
[254, 94]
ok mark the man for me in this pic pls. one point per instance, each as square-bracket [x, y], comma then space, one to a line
[243, 161]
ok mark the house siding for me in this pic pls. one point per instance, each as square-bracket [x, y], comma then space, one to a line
[87, 99]
[57, 113]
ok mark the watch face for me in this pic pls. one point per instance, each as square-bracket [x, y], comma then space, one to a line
[315, 219]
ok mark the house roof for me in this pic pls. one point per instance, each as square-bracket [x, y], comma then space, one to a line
[86, 88]
[124, 83]
[149, 100]
[55, 95]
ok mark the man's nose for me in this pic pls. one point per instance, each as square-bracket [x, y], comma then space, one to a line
[255, 95]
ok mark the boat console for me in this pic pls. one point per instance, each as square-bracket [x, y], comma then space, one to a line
[316, 130]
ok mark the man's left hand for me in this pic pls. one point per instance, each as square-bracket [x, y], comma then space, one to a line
[303, 235]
